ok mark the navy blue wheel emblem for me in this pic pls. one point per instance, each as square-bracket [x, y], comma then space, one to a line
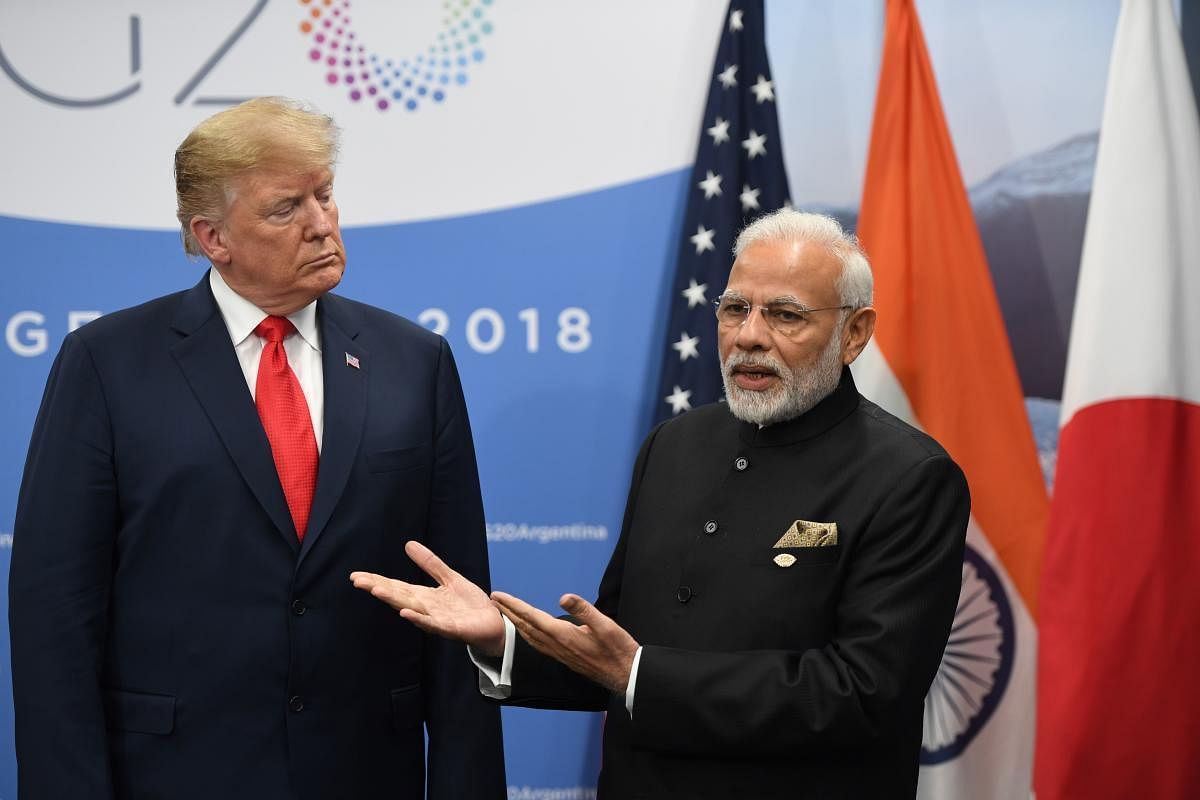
[976, 664]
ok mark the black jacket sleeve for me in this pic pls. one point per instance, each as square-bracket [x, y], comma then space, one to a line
[540, 681]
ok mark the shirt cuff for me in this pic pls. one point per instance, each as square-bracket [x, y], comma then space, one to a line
[495, 674]
[637, 659]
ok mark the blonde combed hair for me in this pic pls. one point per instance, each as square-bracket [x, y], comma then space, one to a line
[263, 132]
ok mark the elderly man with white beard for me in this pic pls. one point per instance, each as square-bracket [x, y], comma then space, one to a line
[788, 567]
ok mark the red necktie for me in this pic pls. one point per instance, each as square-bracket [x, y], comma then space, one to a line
[286, 420]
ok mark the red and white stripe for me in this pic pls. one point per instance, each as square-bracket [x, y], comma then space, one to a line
[1118, 698]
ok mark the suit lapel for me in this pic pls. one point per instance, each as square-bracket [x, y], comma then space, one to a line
[211, 368]
[345, 410]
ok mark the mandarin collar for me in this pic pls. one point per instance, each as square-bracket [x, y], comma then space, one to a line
[836, 406]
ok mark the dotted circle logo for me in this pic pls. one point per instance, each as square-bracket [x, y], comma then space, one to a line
[386, 82]
[976, 664]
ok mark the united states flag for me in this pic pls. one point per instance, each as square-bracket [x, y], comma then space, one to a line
[738, 175]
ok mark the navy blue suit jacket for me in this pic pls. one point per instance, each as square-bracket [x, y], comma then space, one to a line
[171, 638]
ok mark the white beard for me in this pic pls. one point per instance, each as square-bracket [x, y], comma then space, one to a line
[797, 391]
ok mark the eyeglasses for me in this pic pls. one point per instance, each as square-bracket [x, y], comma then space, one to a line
[784, 316]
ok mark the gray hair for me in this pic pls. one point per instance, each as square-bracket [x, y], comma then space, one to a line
[855, 285]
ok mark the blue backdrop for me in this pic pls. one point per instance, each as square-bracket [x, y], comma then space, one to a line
[554, 362]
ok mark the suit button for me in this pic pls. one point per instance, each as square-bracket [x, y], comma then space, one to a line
[740, 464]
[296, 704]
[298, 608]
[710, 527]
[683, 594]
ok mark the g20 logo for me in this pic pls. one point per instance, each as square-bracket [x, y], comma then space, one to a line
[370, 76]
[338, 51]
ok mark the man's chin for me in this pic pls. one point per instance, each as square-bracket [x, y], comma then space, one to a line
[326, 278]
[311, 287]
[765, 395]
[759, 406]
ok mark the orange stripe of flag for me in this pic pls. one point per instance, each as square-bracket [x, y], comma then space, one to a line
[939, 327]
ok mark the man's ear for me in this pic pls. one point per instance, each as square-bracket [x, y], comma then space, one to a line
[211, 238]
[857, 332]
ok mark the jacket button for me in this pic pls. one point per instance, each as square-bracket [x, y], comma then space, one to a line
[710, 527]
[296, 704]
[740, 464]
[683, 594]
[298, 608]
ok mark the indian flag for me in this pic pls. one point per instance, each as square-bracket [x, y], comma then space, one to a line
[940, 359]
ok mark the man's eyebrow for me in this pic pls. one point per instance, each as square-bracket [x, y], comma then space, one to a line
[282, 197]
[787, 298]
[292, 197]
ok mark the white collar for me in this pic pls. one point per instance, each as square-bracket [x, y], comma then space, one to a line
[242, 316]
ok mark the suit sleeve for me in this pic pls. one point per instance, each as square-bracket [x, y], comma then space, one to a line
[892, 622]
[59, 582]
[541, 682]
[466, 756]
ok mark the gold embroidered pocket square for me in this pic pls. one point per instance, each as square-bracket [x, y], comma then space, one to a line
[809, 534]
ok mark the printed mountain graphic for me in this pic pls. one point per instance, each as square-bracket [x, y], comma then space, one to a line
[1031, 215]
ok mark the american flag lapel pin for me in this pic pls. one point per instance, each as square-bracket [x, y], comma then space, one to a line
[352, 361]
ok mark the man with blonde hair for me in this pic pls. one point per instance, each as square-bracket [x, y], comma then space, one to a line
[787, 571]
[205, 471]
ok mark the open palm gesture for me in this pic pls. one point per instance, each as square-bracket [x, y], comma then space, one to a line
[455, 608]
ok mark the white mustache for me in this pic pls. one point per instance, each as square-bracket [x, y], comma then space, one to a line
[746, 360]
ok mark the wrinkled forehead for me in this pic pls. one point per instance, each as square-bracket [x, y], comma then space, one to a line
[280, 178]
[803, 272]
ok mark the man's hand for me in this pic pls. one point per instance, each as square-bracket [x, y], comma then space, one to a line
[598, 648]
[455, 608]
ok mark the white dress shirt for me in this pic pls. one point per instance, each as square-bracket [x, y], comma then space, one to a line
[495, 675]
[303, 351]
